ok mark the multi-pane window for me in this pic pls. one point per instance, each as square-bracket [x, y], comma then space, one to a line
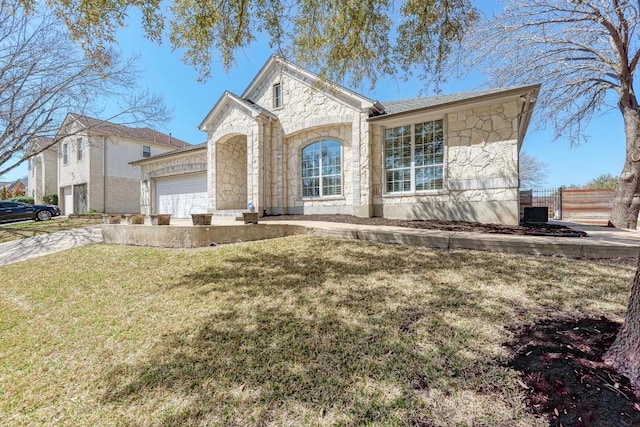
[146, 151]
[80, 146]
[277, 95]
[322, 169]
[414, 157]
[65, 153]
[397, 158]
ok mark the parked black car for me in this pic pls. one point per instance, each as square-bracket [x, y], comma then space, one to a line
[16, 211]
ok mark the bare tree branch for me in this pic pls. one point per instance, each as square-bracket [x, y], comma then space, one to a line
[44, 76]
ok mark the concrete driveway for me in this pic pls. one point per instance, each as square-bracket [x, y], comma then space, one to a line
[31, 247]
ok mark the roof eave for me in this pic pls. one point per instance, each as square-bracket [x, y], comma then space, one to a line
[255, 112]
[472, 100]
[177, 152]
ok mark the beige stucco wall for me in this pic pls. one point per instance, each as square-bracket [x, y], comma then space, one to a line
[43, 175]
[481, 170]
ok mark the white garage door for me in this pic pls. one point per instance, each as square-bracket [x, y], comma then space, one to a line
[68, 200]
[182, 195]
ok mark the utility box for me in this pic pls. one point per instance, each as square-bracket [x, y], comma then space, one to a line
[539, 214]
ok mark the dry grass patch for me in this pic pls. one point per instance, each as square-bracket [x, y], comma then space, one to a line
[21, 230]
[294, 331]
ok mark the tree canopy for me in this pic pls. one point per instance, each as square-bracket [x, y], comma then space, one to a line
[601, 182]
[339, 39]
[44, 76]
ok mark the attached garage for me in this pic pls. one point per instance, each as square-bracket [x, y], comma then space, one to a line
[67, 199]
[182, 195]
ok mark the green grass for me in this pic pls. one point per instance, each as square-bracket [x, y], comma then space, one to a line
[294, 331]
[21, 230]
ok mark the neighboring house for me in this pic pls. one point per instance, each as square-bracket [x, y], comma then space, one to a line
[13, 188]
[43, 168]
[93, 164]
[294, 144]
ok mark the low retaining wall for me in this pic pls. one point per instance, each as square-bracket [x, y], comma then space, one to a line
[194, 236]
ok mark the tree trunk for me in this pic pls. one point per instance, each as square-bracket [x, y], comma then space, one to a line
[624, 354]
[626, 201]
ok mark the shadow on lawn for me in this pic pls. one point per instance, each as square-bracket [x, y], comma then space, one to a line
[316, 333]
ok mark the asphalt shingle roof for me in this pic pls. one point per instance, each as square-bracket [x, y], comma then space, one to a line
[405, 105]
[140, 134]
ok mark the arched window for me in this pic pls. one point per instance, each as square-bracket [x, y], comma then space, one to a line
[322, 169]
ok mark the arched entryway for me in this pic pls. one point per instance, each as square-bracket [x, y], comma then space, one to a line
[231, 173]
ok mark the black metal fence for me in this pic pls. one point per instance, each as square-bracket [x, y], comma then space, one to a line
[549, 197]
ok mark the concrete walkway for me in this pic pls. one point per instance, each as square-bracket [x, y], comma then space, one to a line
[602, 242]
[45, 244]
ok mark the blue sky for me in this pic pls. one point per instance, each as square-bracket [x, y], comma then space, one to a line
[164, 73]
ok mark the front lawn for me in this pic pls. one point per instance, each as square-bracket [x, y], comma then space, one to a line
[20, 230]
[294, 331]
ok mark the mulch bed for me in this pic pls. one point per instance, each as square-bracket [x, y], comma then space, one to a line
[563, 374]
[527, 229]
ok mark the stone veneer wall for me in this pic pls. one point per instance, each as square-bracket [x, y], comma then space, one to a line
[293, 155]
[231, 173]
[481, 173]
[310, 111]
[235, 120]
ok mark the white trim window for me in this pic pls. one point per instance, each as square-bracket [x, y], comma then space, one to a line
[277, 95]
[414, 157]
[146, 151]
[65, 153]
[322, 169]
[80, 147]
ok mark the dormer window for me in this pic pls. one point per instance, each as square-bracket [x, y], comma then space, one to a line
[277, 95]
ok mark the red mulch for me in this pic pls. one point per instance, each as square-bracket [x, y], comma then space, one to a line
[566, 381]
[527, 229]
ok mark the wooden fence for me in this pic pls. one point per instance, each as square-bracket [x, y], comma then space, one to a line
[585, 206]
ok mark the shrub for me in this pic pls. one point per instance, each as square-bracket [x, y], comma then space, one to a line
[50, 199]
[22, 199]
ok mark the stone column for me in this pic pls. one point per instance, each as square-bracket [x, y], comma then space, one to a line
[211, 174]
[361, 153]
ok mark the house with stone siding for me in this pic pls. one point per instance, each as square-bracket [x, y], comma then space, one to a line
[292, 143]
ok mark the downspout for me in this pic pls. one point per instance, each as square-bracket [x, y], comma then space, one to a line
[104, 174]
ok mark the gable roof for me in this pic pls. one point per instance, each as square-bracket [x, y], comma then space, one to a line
[412, 105]
[11, 185]
[276, 60]
[144, 134]
[255, 109]
[37, 144]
